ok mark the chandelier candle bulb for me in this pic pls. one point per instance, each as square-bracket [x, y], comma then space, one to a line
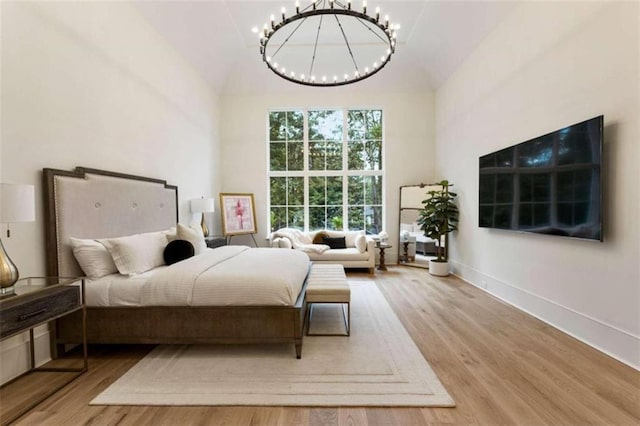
[297, 7]
[377, 14]
[364, 7]
[349, 5]
[386, 21]
[283, 12]
[273, 25]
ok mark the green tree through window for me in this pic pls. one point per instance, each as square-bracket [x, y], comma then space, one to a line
[325, 169]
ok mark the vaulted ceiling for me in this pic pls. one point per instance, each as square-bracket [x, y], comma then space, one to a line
[216, 37]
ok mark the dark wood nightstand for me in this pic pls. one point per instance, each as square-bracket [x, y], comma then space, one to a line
[215, 241]
[36, 301]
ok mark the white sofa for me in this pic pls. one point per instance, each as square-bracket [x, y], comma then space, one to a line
[360, 251]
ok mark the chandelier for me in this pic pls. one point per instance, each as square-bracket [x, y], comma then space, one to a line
[327, 43]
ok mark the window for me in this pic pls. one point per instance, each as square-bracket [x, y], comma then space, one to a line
[325, 169]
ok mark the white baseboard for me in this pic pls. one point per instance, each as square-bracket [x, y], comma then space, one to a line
[14, 353]
[617, 343]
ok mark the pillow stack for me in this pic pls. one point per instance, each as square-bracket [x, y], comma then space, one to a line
[135, 254]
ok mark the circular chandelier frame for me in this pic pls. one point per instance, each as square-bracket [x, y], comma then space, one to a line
[336, 9]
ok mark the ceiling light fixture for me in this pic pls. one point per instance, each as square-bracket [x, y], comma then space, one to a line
[313, 40]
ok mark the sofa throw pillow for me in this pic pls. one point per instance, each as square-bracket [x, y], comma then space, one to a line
[319, 237]
[285, 243]
[361, 243]
[94, 258]
[178, 250]
[335, 243]
[194, 235]
[350, 236]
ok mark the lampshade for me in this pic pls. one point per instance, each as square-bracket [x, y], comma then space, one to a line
[17, 203]
[202, 205]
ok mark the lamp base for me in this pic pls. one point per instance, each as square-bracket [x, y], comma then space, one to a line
[205, 229]
[7, 291]
[8, 272]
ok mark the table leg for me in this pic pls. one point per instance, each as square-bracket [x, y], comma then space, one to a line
[382, 266]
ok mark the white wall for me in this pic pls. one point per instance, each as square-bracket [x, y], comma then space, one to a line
[408, 150]
[548, 65]
[92, 84]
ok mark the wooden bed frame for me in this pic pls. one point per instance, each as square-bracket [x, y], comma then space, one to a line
[156, 324]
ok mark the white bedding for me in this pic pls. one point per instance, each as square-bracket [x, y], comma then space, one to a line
[226, 276]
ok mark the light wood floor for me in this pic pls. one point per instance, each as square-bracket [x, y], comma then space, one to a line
[501, 366]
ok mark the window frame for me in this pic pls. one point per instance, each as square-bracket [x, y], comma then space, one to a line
[345, 173]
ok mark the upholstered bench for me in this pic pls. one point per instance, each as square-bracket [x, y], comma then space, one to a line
[327, 283]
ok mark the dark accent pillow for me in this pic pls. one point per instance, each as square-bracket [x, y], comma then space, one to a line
[335, 243]
[319, 237]
[178, 250]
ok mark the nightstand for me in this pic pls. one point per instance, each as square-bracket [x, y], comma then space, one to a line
[36, 301]
[215, 241]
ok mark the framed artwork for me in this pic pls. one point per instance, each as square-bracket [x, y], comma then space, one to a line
[238, 214]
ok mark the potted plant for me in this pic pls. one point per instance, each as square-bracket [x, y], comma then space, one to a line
[438, 217]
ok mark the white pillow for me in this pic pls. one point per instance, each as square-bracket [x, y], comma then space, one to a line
[93, 257]
[138, 253]
[285, 243]
[194, 235]
[171, 234]
[361, 243]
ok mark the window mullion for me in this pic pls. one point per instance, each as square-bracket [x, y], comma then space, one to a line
[305, 167]
[345, 169]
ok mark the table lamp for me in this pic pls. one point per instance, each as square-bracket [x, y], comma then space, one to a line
[202, 205]
[17, 204]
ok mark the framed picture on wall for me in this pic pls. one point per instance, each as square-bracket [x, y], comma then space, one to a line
[238, 214]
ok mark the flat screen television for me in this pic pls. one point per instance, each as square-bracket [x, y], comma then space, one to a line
[551, 184]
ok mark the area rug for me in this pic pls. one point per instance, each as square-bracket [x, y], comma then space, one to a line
[378, 365]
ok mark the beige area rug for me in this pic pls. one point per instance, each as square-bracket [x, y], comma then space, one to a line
[378, 365]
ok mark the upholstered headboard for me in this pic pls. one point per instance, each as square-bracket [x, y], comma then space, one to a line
[90, 203]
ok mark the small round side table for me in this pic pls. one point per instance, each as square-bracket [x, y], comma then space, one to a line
[382, 247]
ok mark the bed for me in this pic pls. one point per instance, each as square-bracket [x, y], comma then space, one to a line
[90, 203]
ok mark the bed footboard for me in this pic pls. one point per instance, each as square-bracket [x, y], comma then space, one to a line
[186, 325]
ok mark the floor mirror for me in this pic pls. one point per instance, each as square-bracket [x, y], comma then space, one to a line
[414, 249]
